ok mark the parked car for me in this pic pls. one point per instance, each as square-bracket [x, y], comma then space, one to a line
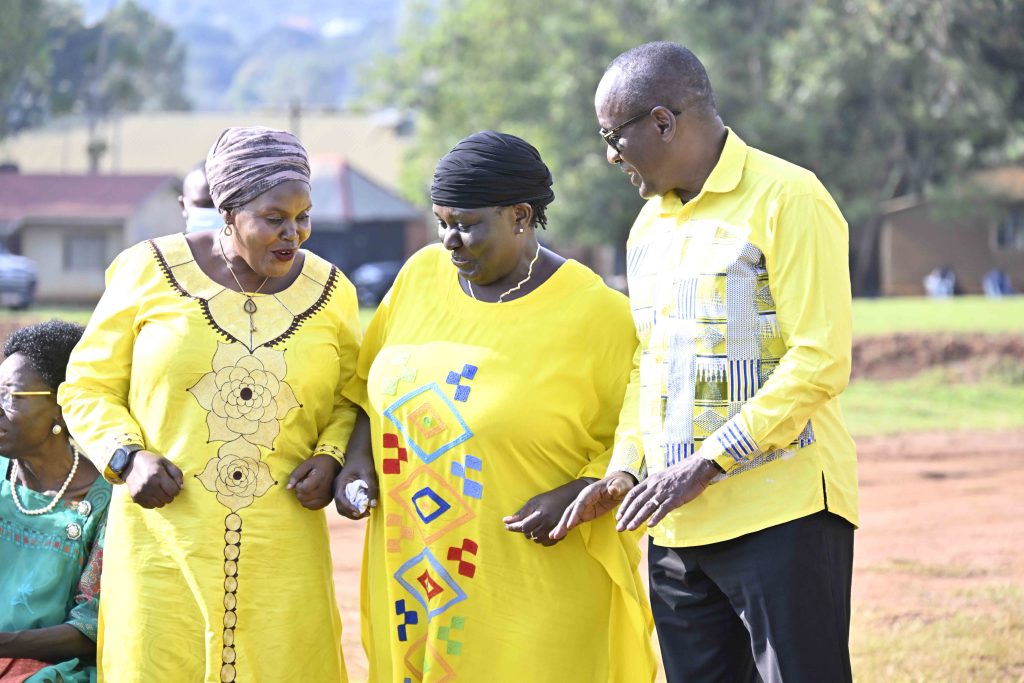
[17, 280]
[373, 280]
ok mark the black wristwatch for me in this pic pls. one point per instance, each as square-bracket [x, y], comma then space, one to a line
[120, 460]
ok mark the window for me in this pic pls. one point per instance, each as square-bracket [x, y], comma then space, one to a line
[1010, 229]
[85, 252]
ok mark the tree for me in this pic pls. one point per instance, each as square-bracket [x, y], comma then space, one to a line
[528, 68]
[23, 58]
[51, 63]
[878, 98]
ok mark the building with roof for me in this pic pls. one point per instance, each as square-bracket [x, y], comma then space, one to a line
[971, 235]
[73, 226]
[358, 220]
[173, 142]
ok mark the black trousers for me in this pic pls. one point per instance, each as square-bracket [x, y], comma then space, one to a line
[767, 607]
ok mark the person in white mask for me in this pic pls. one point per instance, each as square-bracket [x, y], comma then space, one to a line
[196, 205]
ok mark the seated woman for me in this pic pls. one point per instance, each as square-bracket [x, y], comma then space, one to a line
[53, 510]
[492, 374]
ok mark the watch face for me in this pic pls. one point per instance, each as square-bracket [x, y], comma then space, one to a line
[118, 462]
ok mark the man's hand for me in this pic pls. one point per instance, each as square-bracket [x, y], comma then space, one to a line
[541, 513]
[152, 480]
[661, 493]
[313, 479]
[595, 500]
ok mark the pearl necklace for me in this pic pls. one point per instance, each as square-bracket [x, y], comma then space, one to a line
[529, 274]
[53, 503]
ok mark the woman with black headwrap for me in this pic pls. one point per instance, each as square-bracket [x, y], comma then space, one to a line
[492, 374]
[207, 388]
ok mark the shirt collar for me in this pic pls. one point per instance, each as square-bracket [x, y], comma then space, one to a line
[725, 176]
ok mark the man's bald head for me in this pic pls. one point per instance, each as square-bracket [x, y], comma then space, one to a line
[661, 73]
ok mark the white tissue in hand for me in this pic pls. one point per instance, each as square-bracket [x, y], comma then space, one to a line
[356, 494]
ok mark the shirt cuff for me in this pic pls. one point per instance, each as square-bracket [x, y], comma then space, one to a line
[730, 445]
[627, 457]
[333, 451]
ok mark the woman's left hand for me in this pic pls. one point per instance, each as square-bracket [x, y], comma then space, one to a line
[542, 513]
[313, 481]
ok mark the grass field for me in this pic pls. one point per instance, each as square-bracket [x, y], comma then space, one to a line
[931, 403]
[917, 314]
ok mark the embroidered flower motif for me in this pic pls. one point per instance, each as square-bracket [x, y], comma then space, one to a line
[245, 394]
[237, 475]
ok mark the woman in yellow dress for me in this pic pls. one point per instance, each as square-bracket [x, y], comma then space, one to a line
[493, 374]
[207, 387]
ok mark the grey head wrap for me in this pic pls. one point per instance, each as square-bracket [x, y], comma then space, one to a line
[246, 162]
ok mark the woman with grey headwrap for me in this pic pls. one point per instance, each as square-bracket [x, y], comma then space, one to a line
[207, 388]
[493, 374]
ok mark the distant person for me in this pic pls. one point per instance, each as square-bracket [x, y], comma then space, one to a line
[207, 388]
[493, 374]
[731, 450]
[940, 283]
[50, 493]
[196, 204]
[996, 283]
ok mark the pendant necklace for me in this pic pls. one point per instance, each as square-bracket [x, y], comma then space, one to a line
[249, 306]
[529, 274]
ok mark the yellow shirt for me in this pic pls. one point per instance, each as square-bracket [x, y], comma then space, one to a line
[233, 579]
[475, 408]
[741, 301]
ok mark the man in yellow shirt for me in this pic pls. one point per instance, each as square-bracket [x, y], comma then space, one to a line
[731, 446]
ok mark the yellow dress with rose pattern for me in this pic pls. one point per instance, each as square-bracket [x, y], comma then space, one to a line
[475, 408]
[233, 579]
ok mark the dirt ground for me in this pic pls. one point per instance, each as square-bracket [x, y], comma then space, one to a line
[939, 515]
[964, 357]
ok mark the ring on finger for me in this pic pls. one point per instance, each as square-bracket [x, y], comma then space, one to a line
[655, 501]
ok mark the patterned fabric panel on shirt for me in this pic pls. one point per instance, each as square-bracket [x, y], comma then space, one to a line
[709, 336]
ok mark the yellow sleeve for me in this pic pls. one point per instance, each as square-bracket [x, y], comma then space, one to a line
[808, 273]
[628, 451]
[94, 396]
[334, 436]
[355, 389]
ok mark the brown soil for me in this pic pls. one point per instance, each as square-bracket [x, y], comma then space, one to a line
[938, 515]
[965, 357]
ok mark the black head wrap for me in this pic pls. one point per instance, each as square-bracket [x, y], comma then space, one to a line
[492, 169]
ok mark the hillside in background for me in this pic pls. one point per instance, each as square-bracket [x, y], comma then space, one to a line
[268, 56]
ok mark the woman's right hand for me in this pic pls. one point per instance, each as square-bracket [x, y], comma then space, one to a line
[356, 467]
[152, 480]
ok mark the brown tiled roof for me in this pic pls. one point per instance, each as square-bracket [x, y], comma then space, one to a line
[74, 196]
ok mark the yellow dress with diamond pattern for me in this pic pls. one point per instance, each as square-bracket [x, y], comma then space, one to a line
[476, 408]
[233, 579]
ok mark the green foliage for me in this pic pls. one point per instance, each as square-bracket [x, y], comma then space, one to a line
[52, 63]
[23, 58]
[878, 98]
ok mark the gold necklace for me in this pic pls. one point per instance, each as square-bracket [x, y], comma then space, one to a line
[249, 306]
[529, 274]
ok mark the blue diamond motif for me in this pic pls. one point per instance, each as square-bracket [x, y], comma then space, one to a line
[427, 557]
[442, 505]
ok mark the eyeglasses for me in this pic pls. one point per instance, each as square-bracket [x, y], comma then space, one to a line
[7, 402]
[611, 137]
